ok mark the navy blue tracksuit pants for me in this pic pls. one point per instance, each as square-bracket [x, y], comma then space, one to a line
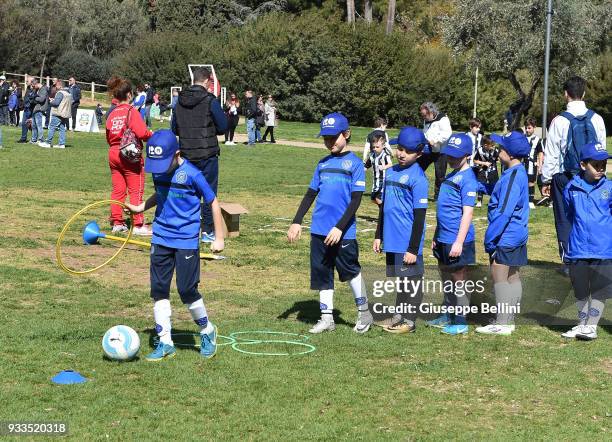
[562, 224]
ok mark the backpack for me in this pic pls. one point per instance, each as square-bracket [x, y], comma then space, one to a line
[581, 132]
[130, 146]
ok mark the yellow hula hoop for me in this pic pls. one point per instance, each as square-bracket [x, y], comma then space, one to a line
[58, 244]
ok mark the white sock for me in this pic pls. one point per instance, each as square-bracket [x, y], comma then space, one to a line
[583, 310]
[199, 315]
[359, 292]
[517, 294]
[326, 300]
[596, 308]
[162, 312]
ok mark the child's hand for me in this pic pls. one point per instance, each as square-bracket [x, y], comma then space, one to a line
[333, 237]
[135, 209]
[294, 233]
[456, 249]
[376, 246]
[409, 258]
[433, 244]
[217, 245]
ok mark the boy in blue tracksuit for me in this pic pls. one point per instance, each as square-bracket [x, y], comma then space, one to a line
[338, 184]
[401, 227]
[588, 205]
[179, 187]
[453, 242]
[506, 237]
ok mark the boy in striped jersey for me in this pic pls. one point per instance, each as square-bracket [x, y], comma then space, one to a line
[379, 160]
[534, 159]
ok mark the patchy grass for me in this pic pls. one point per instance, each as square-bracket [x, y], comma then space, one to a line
[532, 385]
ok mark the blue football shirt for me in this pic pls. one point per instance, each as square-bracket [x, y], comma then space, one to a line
[335, 178]
[177, 215]
[405, 190]
[458, 189]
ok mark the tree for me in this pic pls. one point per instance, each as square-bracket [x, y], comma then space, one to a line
[510, 37]
[390, 17]
[350, 11]
[367, 11]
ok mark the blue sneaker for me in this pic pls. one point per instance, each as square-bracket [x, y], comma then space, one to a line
[440, 322]
[208, 347]
[455, 329]
[162, 351]
[208, 237]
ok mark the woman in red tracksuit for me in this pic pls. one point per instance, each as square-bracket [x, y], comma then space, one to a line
[125, 176]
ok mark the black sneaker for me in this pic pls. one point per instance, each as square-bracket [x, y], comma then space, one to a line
[22, 141]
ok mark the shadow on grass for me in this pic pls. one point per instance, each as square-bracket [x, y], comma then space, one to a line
[309, 313]
[186, 339]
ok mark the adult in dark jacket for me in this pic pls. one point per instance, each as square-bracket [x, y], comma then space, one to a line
[250, 113]
[75, 91]
[15, 103]
[28, 106]
[41, 104]
[4, 99]
[197, 120]
[148, 103]
[52, 91]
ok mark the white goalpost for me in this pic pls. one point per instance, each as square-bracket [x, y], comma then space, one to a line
[214, 87]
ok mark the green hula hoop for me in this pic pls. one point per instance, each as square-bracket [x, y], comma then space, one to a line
[235, 336]
[309, 348]
[183, 345]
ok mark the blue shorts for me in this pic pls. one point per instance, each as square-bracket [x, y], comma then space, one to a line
[467, 257]
[344, 257]
[164, 260]
[397, 268]
[510, 256]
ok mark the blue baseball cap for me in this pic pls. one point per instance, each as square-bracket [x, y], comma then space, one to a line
[333, 124]
[410, 138]
[515, 143]
[458, 146]
[161, 148]
[593, 151]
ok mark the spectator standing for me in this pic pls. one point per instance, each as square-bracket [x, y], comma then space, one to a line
[197, 120]
[232, 112]
[568, 132]
[250, 113]
[4, 99]
[126, 176]
[140, 101]
[61, 110]
[270, 120]
[260, 119]
[99, 114]
[75, 91]
[41, 103]
[15, 103]
[437, 129]
[52, 91]
[149, 100]
[28, 106]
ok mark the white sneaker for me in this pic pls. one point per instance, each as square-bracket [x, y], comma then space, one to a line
[478, 203]
[323, 325]
[585, 331]
[142, 231]
[227, 143]
[60, 146]
[588, 333]
[531, 205]
[364, 322]
[231, 143]
[496, 329]
[43, 144]
[120, 228]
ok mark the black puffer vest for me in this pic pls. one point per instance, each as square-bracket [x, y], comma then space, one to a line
[195, 126]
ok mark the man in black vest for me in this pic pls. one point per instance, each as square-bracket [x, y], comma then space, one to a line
[197, 120]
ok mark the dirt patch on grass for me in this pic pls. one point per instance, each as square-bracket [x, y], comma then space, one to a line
[607, 365]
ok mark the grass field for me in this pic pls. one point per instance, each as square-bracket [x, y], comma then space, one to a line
[426, 386]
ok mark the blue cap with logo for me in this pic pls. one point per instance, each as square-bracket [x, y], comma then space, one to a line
[515, 143]
[333, 124]
[410, 138]
[161, 148]
[593, 151]
[458, 146]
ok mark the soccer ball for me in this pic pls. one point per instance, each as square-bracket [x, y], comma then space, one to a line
[121, 343]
